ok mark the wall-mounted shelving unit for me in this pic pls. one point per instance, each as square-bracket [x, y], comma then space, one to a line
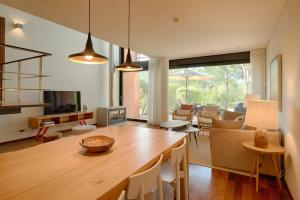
[18, 76]
[37, 122]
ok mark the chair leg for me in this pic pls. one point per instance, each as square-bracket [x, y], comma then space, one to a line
[185, 180]
[160, 189]
[178, 181]
[178, 188]
[141, 194]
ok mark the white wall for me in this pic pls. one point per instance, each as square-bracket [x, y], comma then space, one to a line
[40, 34]
[285, 40]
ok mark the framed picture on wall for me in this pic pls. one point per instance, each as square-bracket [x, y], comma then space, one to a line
[276, 80]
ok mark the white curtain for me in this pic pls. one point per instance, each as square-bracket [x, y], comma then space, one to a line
[158, 91]
[258, 65]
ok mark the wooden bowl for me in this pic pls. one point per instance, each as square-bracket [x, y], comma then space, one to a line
[98, 143]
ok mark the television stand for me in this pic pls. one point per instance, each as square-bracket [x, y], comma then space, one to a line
[40, 122]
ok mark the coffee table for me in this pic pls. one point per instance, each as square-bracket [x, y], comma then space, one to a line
[170, 124]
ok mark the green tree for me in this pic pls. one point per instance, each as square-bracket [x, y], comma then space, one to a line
[227, 87]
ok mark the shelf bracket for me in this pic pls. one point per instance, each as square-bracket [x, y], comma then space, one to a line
[19, 83]
[40, 100]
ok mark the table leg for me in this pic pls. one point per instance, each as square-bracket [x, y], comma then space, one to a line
[44, 132]
[257, 171]
[275, 164]
[82, 122]
[194, 133]
[253, 167]
[38, 133]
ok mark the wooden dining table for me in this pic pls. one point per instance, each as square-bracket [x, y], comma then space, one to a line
[62, 169]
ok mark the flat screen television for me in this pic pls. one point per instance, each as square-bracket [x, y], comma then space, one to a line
[62, 102]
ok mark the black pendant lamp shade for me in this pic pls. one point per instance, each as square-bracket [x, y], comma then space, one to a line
[88, 55]
[128, 65]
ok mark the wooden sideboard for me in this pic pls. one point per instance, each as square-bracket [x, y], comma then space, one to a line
[37, 122]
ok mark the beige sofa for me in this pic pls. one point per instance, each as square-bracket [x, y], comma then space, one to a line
[227, 151]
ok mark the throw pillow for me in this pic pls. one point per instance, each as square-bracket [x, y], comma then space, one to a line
[227, 124]
[228, 115]
[246, 127]
[186, 107]
[183, 112]
[240, 118]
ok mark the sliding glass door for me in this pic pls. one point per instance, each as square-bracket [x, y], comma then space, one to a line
[224, 85]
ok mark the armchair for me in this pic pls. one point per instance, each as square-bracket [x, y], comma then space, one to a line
[206, 115]
[184, 113]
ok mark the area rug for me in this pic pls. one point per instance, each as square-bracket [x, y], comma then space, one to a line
[200, 155]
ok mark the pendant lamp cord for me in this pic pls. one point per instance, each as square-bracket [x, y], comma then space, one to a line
[128, 24]
[89, 16]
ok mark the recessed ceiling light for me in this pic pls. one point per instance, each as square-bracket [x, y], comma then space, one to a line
[176, 19]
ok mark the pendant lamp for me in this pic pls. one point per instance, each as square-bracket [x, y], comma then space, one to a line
[128, 65]
[88, 55]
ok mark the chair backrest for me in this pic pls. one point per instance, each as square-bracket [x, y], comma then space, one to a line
[209, 112]
[211, 108]
[178, 157]
[178, 153]
[142, 183]
[122, 196]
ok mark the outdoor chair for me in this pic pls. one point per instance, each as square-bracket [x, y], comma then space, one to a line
[206, 115]
[184, 113]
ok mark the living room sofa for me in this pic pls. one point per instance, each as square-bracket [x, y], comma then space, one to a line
[228, 152]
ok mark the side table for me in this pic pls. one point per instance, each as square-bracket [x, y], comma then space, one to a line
[170, 124]
[273, 150]
[189, 130]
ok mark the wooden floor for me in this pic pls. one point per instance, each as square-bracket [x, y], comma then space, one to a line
[213, 184]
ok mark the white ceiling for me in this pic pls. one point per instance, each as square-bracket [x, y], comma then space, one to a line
[205, 27]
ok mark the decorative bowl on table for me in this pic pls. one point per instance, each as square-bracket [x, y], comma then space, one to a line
[97, 143]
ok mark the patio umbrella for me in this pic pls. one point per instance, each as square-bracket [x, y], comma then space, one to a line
[187, 74]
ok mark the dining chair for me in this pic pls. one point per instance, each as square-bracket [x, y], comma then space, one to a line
[122, 196]
[144, 183]
[175, 169]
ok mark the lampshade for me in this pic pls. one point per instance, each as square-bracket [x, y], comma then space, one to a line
[128, 65]
[249, 97]
[88, 55]
[262, 114]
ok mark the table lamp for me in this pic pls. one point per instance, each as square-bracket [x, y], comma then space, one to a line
[262, 115]
[249, 97]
